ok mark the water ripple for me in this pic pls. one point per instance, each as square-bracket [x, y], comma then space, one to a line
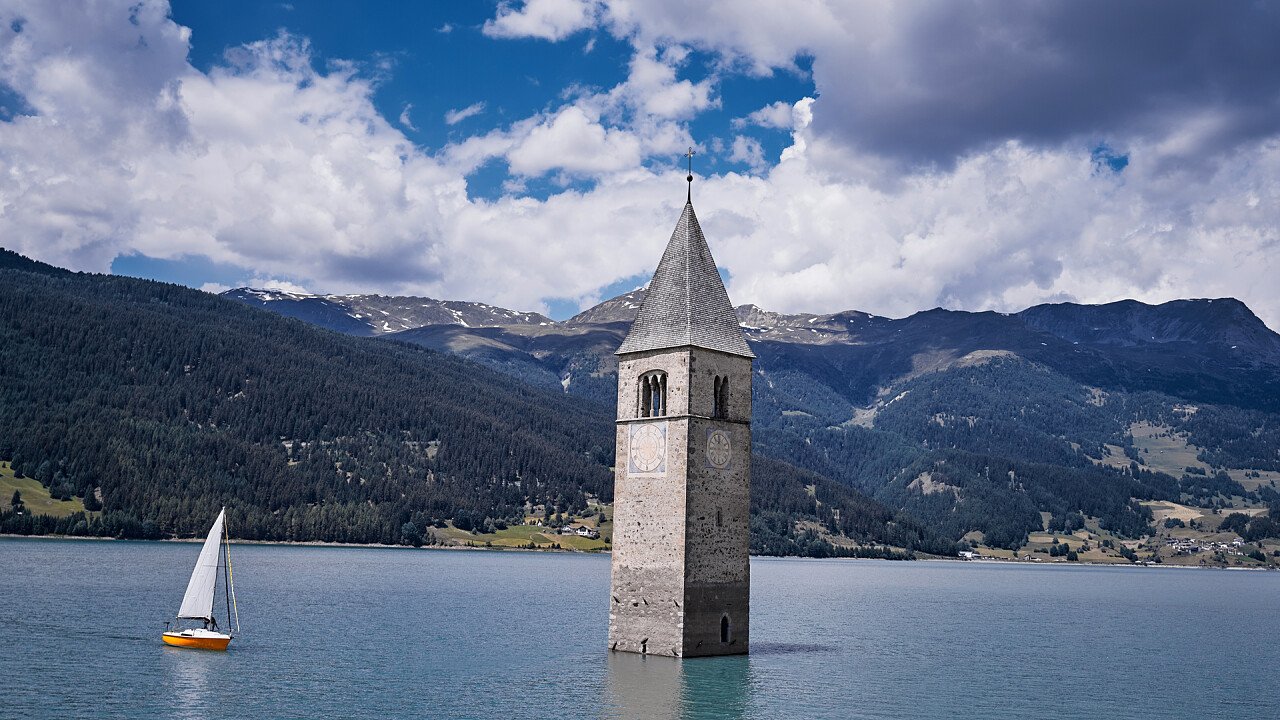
[341, 632]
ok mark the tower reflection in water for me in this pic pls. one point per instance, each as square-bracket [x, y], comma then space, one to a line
[663, 688]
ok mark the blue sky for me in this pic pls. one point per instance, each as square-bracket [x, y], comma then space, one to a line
[433, 57]
[879, 156]
[427, 60]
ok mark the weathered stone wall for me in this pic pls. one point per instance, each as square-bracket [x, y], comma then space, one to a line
[681, 534]
[705, 605]
[717, 511]
[646, 612]
[704, 367]
[717, 505]
[675, 363]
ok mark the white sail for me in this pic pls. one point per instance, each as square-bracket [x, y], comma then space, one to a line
[198, 602]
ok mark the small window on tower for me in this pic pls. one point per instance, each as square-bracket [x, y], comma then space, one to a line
[720, 401]
[653, 395]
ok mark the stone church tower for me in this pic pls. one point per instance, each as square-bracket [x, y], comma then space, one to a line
[681, 577]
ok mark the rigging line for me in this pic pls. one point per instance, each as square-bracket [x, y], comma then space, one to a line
[226, 575]
[231, 583]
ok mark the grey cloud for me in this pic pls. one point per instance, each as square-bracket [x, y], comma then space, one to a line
[932, 82]
[386, 267]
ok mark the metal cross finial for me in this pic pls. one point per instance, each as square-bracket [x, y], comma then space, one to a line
[689, 179]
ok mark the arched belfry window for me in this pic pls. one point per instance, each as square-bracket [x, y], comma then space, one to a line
[653, 394]
[720, 401]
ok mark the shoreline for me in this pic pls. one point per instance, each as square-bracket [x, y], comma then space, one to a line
[1079, 563]
[322, 544]
[304, 543]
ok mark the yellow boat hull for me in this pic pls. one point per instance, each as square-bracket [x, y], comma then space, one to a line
[197, 643]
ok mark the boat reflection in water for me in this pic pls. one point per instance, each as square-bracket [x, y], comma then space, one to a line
[663, 688]
[193, 693]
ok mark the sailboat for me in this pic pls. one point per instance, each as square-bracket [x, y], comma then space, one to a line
[197, 604]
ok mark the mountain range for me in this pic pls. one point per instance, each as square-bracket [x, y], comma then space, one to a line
[898, 407]
[153, 404]
[368, 315]
[147, 402]
[1215, 350]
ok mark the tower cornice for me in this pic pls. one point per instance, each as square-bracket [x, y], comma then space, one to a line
[685, 416]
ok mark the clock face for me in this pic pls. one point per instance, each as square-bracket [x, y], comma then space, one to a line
[648, 448]
[719, 448]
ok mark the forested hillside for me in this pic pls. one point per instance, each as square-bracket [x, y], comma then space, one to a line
[979, 424]
[992, 441]
[156, 403]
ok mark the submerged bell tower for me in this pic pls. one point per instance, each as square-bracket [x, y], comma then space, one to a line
[681, 575]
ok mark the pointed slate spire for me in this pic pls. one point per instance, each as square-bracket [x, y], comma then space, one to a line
[686, 303]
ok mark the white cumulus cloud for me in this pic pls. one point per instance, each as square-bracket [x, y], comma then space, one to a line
[776, 115]
[572, 139]
[749, 151]
[289, 172]
[405, 120]
[545, 19]
[453, 117]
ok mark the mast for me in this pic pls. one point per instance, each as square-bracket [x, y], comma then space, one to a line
[226, 571]
[231, 583]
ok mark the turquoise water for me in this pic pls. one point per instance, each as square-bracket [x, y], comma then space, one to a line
[353, 632]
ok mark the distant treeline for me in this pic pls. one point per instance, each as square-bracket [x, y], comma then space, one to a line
[1002, 441]
[780, 497]
[158, 404]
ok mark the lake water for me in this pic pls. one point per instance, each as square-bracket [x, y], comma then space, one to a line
[363, 632]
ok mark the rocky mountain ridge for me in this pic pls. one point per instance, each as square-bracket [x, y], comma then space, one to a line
[1204, 350]
[1047, 398]
[153, 404]
[367, 315]
[1225, 323]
